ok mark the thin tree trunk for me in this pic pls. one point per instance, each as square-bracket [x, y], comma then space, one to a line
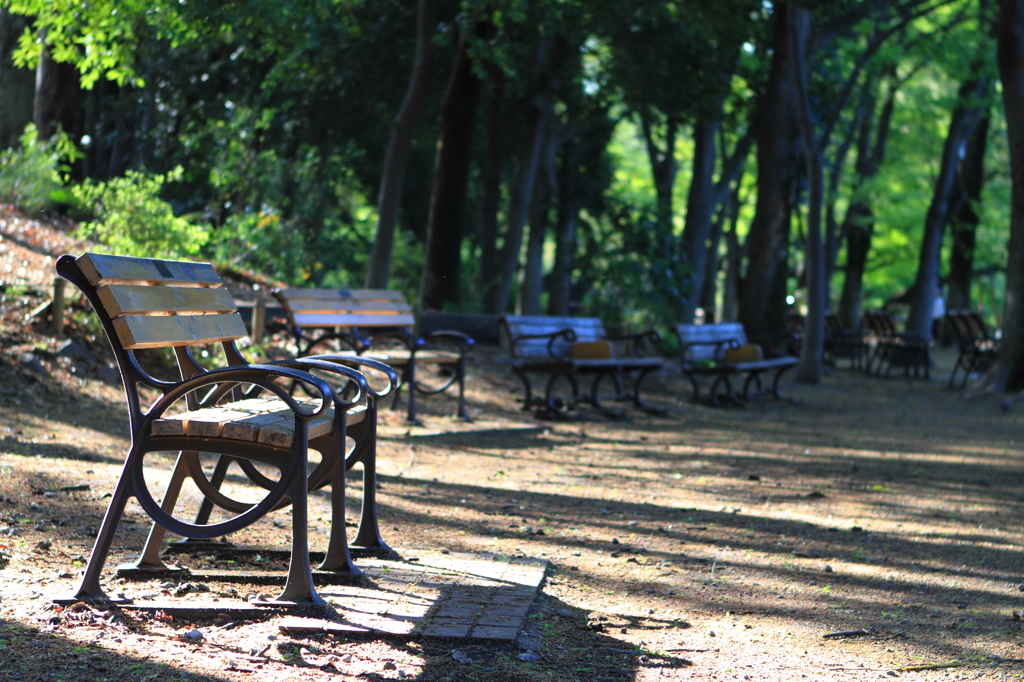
[663, 165]
[699, 208]
[56, 100]
[17, 86]
[1008, 372]
[926, 283]
[809, 369]
[733, 260]
[396, 160]
[451, 173]
[970, 180]
[762, 294]
[859, 222]
[544, 193]
[521, 192]
[708, 289]
[833, 232]
[497, 125]
[565, 233]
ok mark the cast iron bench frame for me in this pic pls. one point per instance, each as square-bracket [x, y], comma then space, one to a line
[546, 350]
[318, 317]
[145, 303]
[720, 337]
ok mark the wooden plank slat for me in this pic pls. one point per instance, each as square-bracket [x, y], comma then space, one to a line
[130, 299]
[346, 306]
[357, 320]
[101, 269]
[144, 331]
[559, 322]
[341, 295]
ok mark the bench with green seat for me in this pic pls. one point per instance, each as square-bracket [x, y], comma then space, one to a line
[379, 324]
[242, 413]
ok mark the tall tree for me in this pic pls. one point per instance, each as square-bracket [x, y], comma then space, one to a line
[17, 86]
[443, 259]
[396, 160]
[1007, 374]
[964, 225]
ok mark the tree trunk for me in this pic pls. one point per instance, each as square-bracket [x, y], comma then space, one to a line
[565, 233]
[451, 172]
[663, 165]
[532, 284]
[733, 260]
[17, 86]
[699, 208]
[396, 160]
[859, 222]
[926, 284]
[491, 181]
[56, 100]
[809, 369]
[709, 287]
[833, 233]
[970, 179]
[762, 297]
[521, 192]
[1008, 372]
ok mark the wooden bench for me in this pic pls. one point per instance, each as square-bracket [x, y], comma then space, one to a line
[379, 324]
[243, 414]
[567, 347]
[703, 354]
[978, 350]
[892, 349]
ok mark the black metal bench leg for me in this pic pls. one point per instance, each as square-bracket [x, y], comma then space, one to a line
[462, 413]
[639, 402]
[149, 561]
[549, 408]
[754, 377]
[777, 379]
[90, 589]
[368, 533]
[337, 558]
[528, 393]
[696, 388]
[298, 587]
[410, 378]
[595, 395]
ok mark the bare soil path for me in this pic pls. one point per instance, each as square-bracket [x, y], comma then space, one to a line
[711, 545]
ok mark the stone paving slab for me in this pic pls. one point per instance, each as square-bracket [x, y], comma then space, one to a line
[432, 594]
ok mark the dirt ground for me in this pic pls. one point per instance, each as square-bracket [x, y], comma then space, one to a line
[712, 544]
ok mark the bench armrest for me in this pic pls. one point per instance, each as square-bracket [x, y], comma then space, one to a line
[358, 361]
[635, 341]
[464, 341]
[257, 375]
[568, 333]
[356, 377]
[411, 342]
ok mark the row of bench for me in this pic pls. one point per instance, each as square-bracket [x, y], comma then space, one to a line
[259, 422]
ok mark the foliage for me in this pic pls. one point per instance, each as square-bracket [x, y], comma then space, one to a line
[32, 176]
[132, 220]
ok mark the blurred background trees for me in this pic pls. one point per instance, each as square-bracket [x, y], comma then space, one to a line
[645, 161]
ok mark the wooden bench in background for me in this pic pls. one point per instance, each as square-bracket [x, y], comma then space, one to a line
[379, 324]
[703, 354]
[567, 347]
[242, 413]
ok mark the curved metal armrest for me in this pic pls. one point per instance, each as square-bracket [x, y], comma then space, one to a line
[464, 341]
[636, 339]
[365, 362]
[245, 375]
[411, 342]
[337, 368]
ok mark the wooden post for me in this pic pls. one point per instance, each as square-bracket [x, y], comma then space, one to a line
[57, 308]
[259, 315]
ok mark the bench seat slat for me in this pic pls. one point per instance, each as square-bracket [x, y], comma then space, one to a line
[268, 421]
[341, 295]
[345, 306]
[101, 269]
[352, 320]
[144, 331]
[129, 299]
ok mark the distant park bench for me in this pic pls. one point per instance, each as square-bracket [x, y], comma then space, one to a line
[978, 350]
[243, 413]
[568, 347]
[379, 324]
[892, 349]
[721, 351]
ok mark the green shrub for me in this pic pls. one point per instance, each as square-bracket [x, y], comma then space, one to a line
[132, 220]
[33, 176]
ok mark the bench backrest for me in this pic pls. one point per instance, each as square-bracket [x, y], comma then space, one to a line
[709, 334]
[513, 326]
[360, 308]
[159, 303]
